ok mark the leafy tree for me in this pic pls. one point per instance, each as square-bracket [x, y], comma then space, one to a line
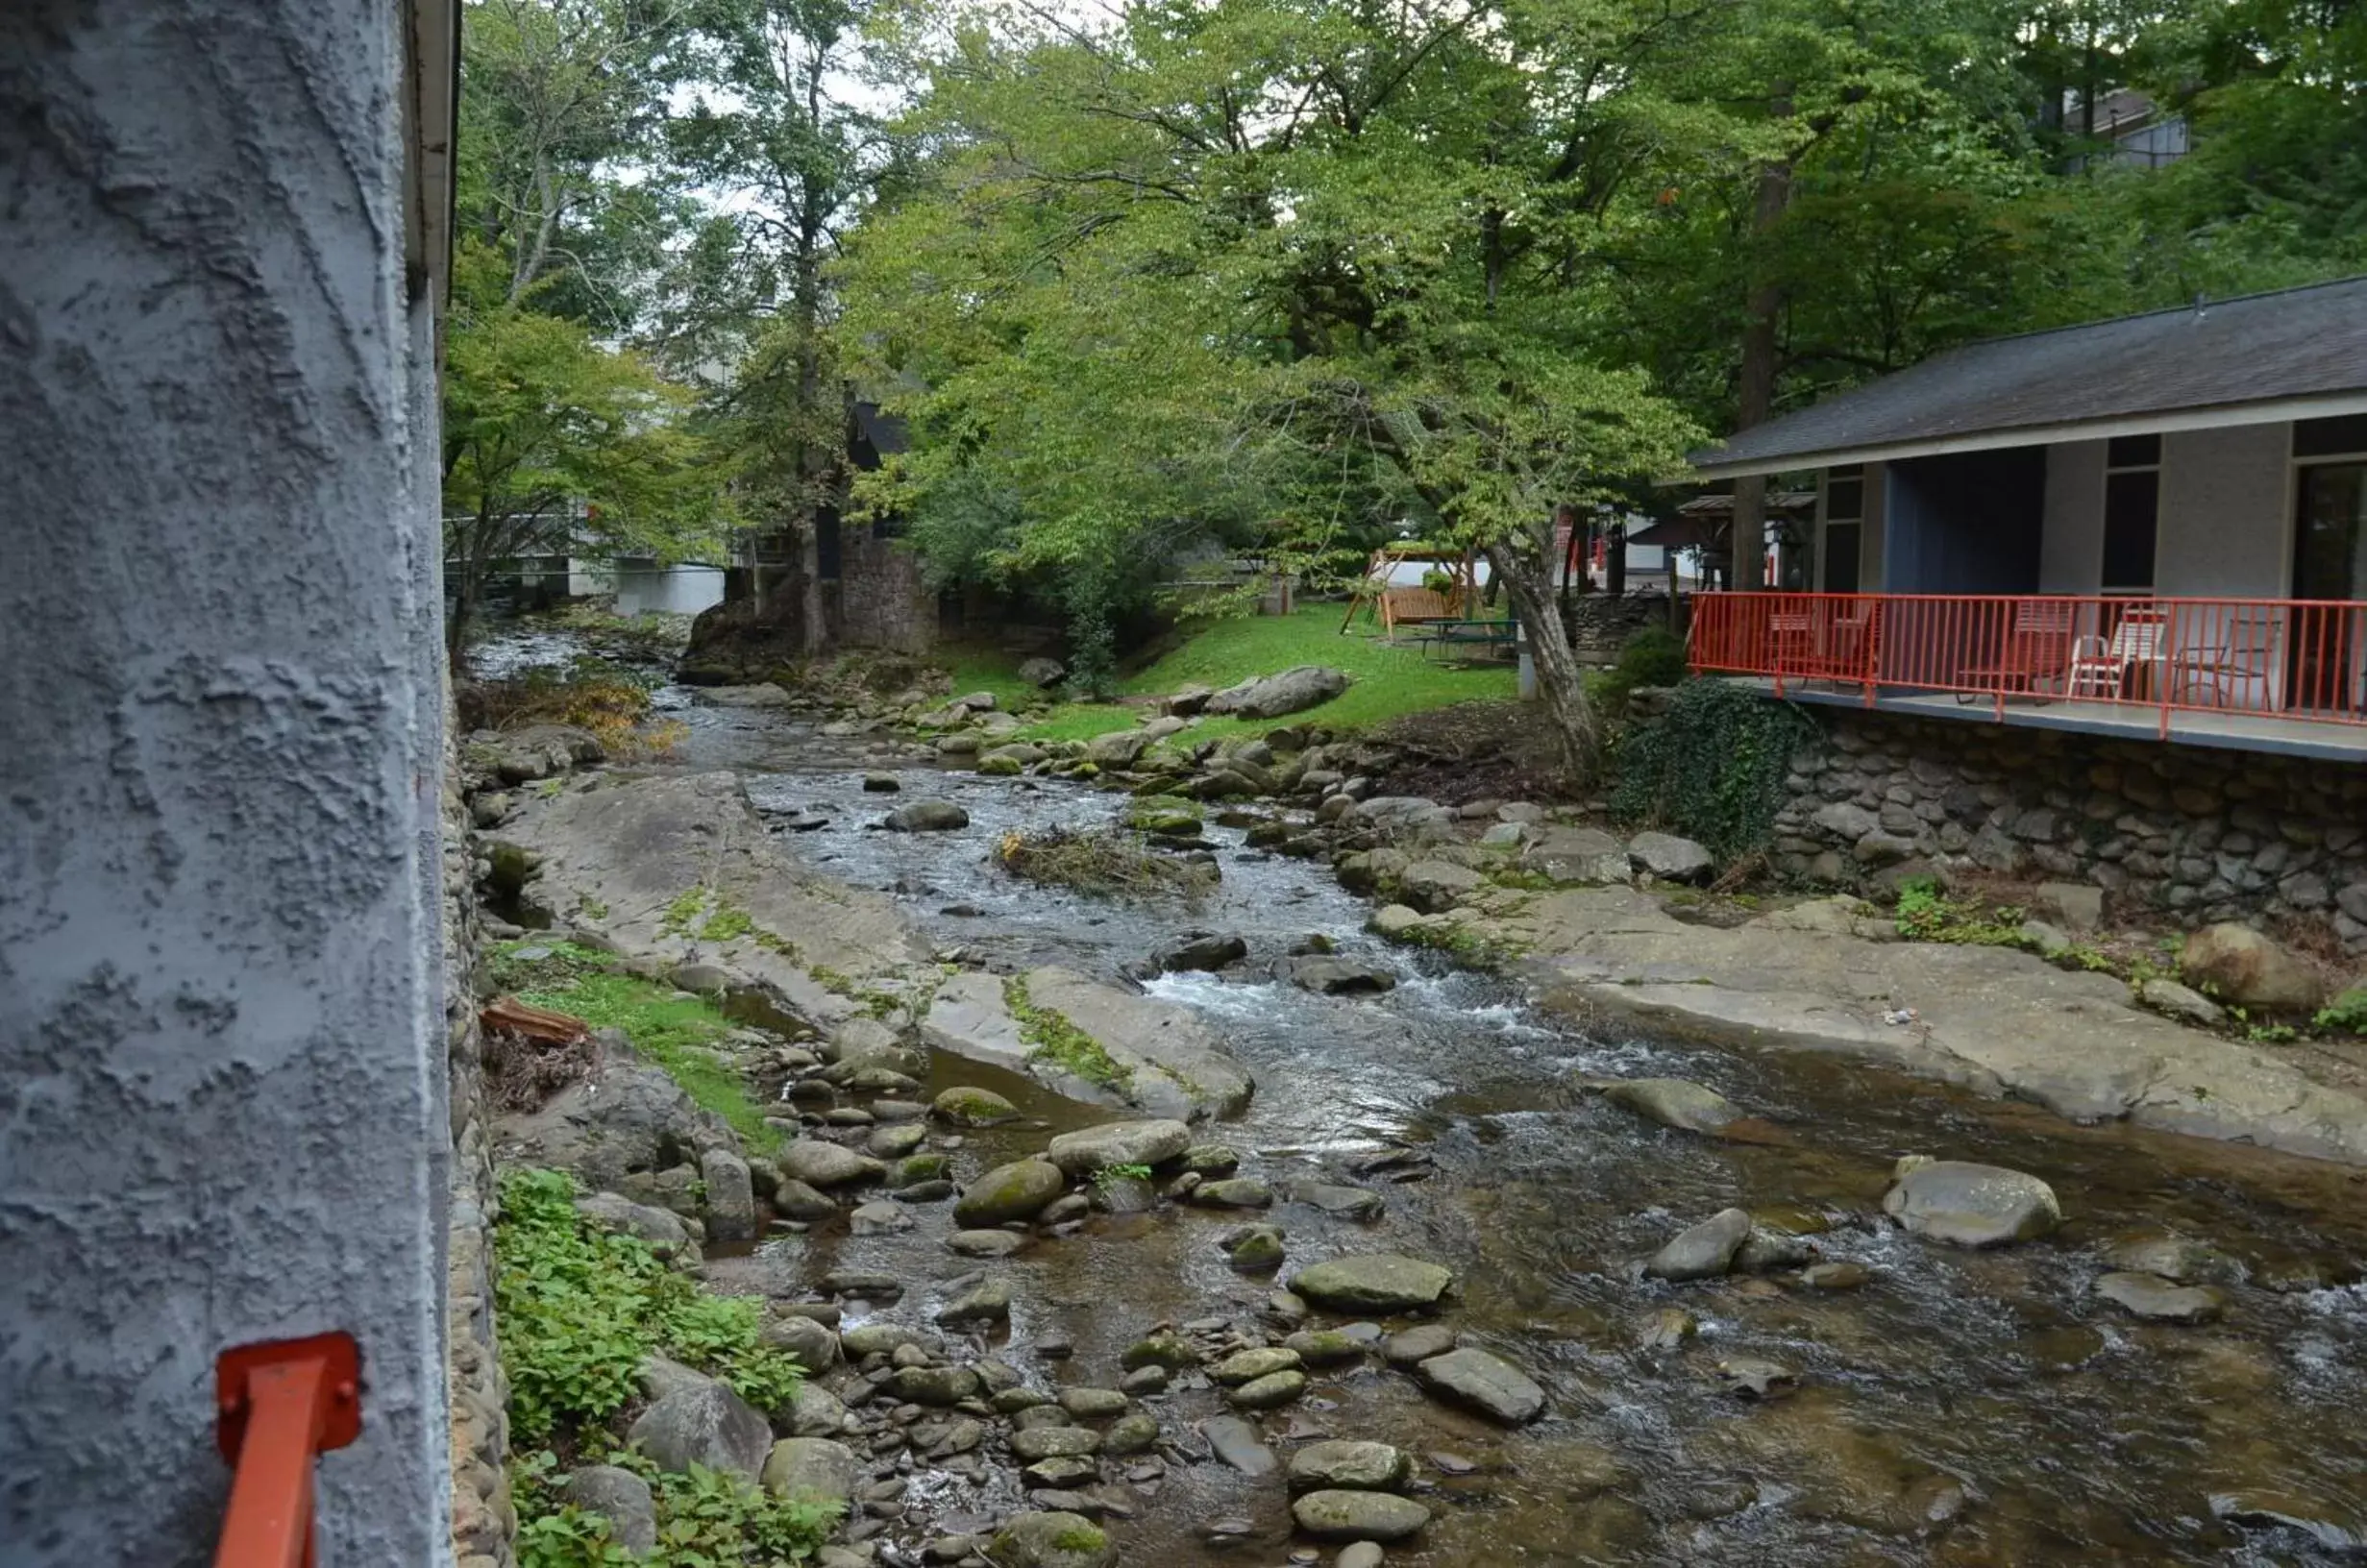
[553, 441]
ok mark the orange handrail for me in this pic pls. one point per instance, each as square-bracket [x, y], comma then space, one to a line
[281, 1405]
[2304, 660]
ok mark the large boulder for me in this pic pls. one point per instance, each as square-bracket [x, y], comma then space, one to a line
[661, 1228]
[2241, 965]
[1270, 697]
[1089, 1149]
[625, 1116]
[813, 1470]
[1486, 1382]
[1704, 1251]
[1209, 950]
[927, 817]
[1337, 1514]
[620, 1497]
[1434, 886]
[1041, 672]
[730, 1196]
[1052, 1540]
[1671, 858]
[1379, 1282]
[703, 1423]
[1019, 1191]
[1119, 748]
[1585, 856]
[1330, 976]
[965, 1105]
[1970, 1205]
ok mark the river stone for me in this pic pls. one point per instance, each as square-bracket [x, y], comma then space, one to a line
[1249, 1365]
[1206, 950]
[2331, 1528]
[934, 1386]
[1417, 1344]
[806, 1342]
[661, 1228]
[1674, 1102]
[1238, 1444]
[1325, 1347]
[620, 1497]
[1212, 1160]
[1343, 1202]
[967, 1106]
[2179, 1259]
[2184, 1003]
[1489, 1383]
[927, 817]
[1131, 1435]
[816, 1469]
[1340, 1516]
[705, 1423]
[1330, 976]
[1289, 691]
[1054, 1443]
[1349, 1465]
[985, 1244]
[1360, 1555]
[1089, 1149]
[1118, 749]
[1254, 1249]
[988, 1301]
[1233, 1192]
[1088, 1404]
[814, 1412]
[1051, 1541]
[1017, 1191]
[1971, 1205]
[883, 1340]
[896, 1141]
[878, 1217]
[1435, 886]
[2249, 970]
[2157, 1300]
[1671, 858]
[1266, 1392]
[821, 1164]
[1583, 855]
[1377, 1281]
[1165, 1350]
[1754, 1377]
[1704, 1251]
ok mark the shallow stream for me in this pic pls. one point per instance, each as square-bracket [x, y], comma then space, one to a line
[1960, 1408]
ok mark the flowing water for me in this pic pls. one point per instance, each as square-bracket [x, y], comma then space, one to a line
[1962, 1407]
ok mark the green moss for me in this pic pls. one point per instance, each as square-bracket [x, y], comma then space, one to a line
[676, 1033]
[726, 922]
[1082, 1538]
[1464, 944]
[830, 979]
[1051, 1038]
[679, 913]
[527, 963]
[774, 943]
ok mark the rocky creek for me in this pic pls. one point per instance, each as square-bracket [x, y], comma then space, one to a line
[1858, 1394]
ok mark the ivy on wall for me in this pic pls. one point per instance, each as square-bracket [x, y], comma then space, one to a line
[1712, 766]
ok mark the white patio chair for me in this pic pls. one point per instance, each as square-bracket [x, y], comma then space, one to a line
[2101, 668]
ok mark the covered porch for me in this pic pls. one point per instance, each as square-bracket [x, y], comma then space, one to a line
[2275, 674]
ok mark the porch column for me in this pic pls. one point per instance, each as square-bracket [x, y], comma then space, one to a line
[221, 1107]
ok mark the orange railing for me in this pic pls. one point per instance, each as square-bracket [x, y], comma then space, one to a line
[2274, 658]
[281, 1405]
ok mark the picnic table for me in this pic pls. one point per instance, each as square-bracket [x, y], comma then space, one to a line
[1488, 637]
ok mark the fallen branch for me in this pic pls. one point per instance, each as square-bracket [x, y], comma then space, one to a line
[539, 1024]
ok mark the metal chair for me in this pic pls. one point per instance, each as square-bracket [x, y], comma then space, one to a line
[2101, 668]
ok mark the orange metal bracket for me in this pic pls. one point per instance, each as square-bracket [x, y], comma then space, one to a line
[280, 1405]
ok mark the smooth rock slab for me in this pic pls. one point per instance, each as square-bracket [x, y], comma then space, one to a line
[1486, 1382]
[1378, 1282]
[1340, 1516]
[1345, 1202]
[1674, 1102]
[1037, 1443]
[1249, 1365]
[1239, 1444]
[2158, 1300]
[1350, 1466]
[1971, 1205]
[1704, 1251]
[987, 1301]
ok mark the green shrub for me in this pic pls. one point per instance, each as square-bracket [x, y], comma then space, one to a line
[579, 1310]
[1651, 656]
[2347, 1011]
[1712, 768]
[705, 1519]
[1925, 913]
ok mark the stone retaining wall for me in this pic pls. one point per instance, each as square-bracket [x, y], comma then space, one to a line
[483, 1521]
[2200, 833]
[1599, 625]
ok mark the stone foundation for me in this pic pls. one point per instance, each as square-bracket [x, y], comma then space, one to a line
[2191, 832]
[1599, 625]
[483, 1522]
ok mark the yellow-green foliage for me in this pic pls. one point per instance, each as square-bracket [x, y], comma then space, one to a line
[1051, 1036]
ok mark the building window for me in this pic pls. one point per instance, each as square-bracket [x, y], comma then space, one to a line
[2131, 512]
[1844, 527]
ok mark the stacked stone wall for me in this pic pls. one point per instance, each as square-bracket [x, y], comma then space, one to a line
[483, 1521]
[2192, 832]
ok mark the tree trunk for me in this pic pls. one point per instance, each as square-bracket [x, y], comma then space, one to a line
[1559, 680]
[1755, 386]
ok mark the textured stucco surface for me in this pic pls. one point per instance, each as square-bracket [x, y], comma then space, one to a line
[220, 1026]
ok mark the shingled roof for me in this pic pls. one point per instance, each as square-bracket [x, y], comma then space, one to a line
[2299, 353]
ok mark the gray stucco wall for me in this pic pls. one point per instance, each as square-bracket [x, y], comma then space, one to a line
[220, 1020]
[2227, 528]
[2071, 547]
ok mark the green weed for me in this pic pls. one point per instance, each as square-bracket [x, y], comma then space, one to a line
[1051, 1036]
[676, 1033]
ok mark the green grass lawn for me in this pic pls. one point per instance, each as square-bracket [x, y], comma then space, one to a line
[1386, 682]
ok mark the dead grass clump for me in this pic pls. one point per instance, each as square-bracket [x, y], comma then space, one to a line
[521, 1072]
[592, 695]
[1103, 861]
